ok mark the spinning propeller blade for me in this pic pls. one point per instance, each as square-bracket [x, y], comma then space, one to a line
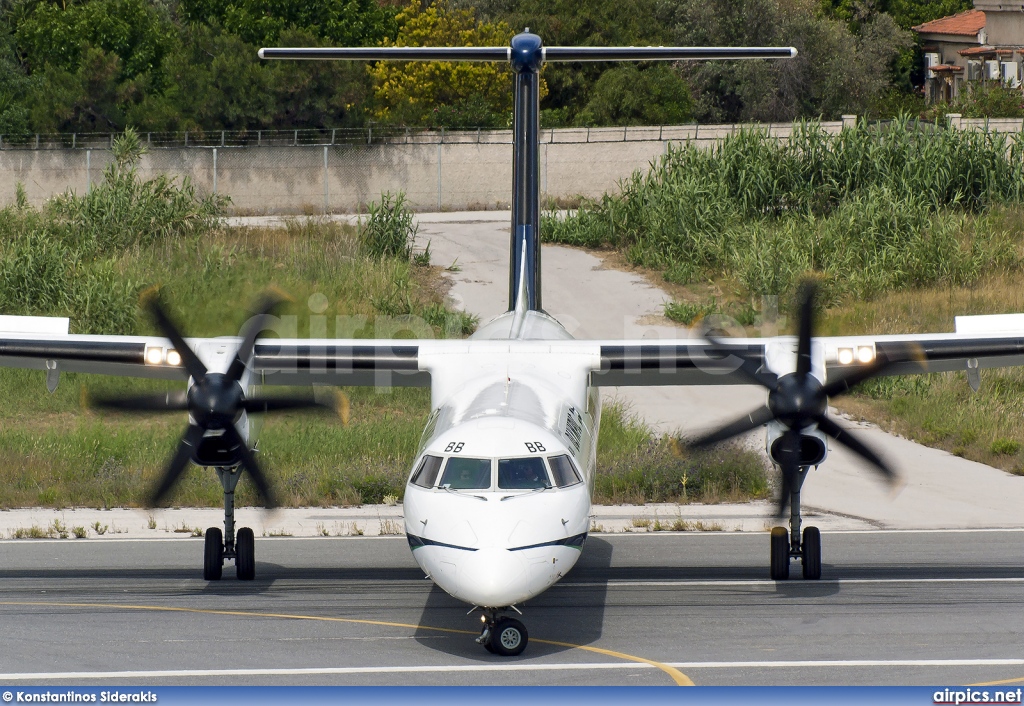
[215, 401]
[797, 401]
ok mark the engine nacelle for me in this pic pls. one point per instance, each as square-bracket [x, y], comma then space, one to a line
[813, 445]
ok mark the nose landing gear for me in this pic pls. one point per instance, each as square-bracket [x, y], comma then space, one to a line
[805, 546]
[502, 635]
[220, 546]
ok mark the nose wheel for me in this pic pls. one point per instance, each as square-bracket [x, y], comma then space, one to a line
[502, 635]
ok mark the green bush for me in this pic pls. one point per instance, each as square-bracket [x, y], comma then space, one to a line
[372, 489]
[74, 257]
[390, 229]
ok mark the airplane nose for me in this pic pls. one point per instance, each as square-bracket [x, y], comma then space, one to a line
[493, 577]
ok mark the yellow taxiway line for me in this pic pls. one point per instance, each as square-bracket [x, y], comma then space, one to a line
[678, 677]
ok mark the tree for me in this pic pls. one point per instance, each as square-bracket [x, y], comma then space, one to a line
[14, 85]
[906, 13]
[628, 95]
[592, 23]
[58, 35]
[834, 73]
[261, 22]
[442, 93]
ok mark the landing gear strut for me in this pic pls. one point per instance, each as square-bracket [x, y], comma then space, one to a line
[219, 547]
[502, 635]
[805, 546]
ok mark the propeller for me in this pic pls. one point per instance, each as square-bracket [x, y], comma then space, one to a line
[215, 401]
[797, 400]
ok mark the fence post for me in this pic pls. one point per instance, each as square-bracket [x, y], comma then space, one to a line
[369, 135]
[439, 174]
[37, 140]
[149, 139]
[333, 130]
[215, 170]
[849, 122]
[88, 171]
[259, 138]
[544, 187]
[74, 139]
[221, 138]
[327, 201]
[295, 143]
[954, 120]
[186, 138]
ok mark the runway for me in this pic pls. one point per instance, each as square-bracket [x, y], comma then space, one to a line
[893, 607]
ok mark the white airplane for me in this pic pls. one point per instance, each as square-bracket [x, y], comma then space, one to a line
[498, 502]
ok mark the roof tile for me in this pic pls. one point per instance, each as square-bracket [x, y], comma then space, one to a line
[965, 24]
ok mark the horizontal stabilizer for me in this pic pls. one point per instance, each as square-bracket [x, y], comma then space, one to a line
[549, 53]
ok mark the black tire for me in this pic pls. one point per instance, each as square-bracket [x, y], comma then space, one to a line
[811, 558]
[245, 555]
[780, 554]
[508, 637]
[488, 647]
[213, 554]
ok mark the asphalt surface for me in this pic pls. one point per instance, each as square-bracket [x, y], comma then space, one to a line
[892, 608]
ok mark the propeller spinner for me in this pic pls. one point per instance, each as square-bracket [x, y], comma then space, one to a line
[215, 401]
[797, 400]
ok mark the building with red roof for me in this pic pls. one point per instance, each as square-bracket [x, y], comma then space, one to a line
[983, 44]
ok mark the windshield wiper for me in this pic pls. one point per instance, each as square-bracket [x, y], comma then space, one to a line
[528, 492]
[450, 489]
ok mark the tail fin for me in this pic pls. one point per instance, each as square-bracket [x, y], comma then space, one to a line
[527, 54]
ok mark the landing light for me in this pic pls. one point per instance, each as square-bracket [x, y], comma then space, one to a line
[845, 356]
[173, 357]
[154, 356]
[865, 354]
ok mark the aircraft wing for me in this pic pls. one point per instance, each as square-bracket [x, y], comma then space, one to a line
[693, 362]
[409, 363]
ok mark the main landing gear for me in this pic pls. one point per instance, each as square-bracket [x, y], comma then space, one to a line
[805, 547]
[220, 546]
[502, 635]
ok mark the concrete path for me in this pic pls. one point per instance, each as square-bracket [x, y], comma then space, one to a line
[941, 490]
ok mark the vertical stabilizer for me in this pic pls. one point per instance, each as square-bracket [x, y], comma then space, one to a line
[527, 57]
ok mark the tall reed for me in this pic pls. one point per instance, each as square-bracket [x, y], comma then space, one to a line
[872, 208]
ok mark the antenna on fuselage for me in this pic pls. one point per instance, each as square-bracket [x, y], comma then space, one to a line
[527, 55]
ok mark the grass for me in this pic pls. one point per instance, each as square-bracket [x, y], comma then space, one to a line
[940, 409]
[88, 257]
[870, 210]
[635, 467]
[55, 453]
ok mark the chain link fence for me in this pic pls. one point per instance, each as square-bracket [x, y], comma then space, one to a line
[343, 170]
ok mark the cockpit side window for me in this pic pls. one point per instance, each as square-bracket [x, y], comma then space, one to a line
[564, 472]
[467, 473]
[426, 474]
[522, 474]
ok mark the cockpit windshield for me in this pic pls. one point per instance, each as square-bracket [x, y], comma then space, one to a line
[522, 474]
[467, 473]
